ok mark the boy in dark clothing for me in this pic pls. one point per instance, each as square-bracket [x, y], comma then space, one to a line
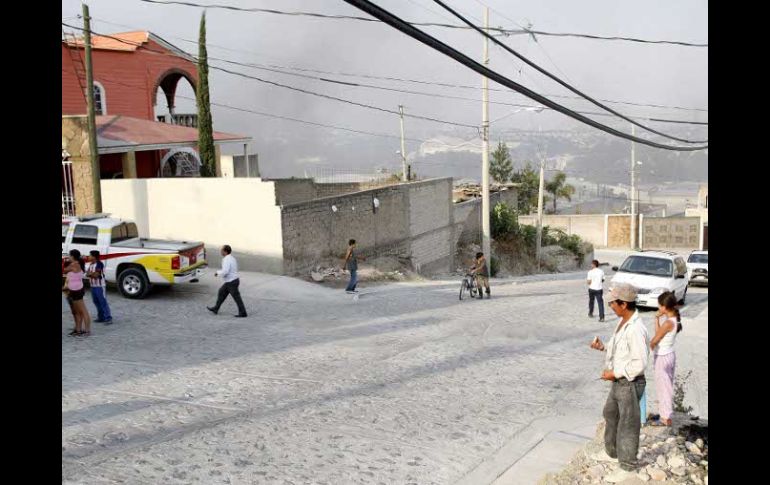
[95, 273]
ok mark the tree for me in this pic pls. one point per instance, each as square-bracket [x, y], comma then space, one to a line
[205, 129]
[529, 181]
[559, 189]
[501, 167]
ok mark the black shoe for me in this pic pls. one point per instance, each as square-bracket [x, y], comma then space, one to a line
[590, 315]
[107, 322]
[240, 316]
[601, 319]
[212, 310]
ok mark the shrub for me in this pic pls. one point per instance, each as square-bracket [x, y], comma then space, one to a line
[503, 221]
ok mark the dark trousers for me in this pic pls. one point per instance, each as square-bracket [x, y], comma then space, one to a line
[597, 294]
[623, 422]
[231, 289]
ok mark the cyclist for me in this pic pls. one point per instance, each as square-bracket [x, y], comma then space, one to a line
[480, 270]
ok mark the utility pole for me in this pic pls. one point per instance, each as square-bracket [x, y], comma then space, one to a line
[632, 194]
[96, 176]
[540, 212]
[404, 175]
[540, 197]
[486, 243]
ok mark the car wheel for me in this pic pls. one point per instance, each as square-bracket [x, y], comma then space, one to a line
[133, 283]
[684, 295]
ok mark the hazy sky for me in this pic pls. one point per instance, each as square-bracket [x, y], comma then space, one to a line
[659, 74]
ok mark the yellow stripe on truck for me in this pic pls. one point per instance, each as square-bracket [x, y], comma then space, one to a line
[161, 264]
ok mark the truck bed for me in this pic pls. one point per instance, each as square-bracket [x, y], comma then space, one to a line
[158, 244]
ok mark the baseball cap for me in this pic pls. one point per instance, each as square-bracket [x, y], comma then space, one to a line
[622, 292]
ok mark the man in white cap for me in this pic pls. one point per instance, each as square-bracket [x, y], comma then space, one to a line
[626, 359]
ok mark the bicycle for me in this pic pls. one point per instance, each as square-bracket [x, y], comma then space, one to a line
[468, 284]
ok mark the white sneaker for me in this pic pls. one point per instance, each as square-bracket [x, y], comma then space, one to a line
[619, 475]
[603, 456]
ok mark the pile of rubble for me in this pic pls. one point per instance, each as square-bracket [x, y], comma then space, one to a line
[667, 455]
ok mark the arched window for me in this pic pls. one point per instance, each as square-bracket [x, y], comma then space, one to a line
[100, 99]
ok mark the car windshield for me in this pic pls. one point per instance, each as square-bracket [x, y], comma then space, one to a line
[648, 266]
[698, 258]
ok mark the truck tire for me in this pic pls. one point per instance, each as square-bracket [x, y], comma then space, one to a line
[133, 283]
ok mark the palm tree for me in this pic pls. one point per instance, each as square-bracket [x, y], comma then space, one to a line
[559, 189]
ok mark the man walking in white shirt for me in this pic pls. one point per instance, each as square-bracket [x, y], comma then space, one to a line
[595, 281]
[229, 274]
[626, 359]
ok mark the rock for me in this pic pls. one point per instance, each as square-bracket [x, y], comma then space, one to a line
[642, 437]
[671, 440]
[706, 480]
[695, 479]
[656, 445]
[679, 471]
[703, 463]
[596, 471]
[676, 461]
[643, 476]
[657, 474]
[661, 461]
[692, 448]
[699, 443]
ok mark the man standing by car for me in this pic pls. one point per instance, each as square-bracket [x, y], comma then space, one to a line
[626, 359]
[595, 282]
[229, 274]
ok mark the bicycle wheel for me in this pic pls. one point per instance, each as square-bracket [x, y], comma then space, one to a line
[463, 284]
[472, 290]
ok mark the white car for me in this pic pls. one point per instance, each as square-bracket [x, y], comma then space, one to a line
[653, 273]
[698, 267]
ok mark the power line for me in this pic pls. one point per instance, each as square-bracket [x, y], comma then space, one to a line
[537, 97]
[435, 95]
[434, 43]
[293, 88]
[501, 31]
[559, 81]
[416, 81]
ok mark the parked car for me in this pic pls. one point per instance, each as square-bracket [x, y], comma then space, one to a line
[653, 273]
[698, 267]
[132, 262]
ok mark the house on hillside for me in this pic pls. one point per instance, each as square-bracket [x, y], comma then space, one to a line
[133, 141]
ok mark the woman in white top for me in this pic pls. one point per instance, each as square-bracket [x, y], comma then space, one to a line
[668, 323]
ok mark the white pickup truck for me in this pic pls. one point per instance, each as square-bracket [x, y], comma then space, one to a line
[132, 262]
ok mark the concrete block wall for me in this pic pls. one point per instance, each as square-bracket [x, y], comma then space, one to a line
[431, 225]
[413, 220]
[313, 233]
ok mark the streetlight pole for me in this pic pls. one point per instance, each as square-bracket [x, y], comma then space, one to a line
[403, 148]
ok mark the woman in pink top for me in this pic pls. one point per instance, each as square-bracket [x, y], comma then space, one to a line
[74, 288]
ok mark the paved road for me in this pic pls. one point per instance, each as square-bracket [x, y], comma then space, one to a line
[405, 385]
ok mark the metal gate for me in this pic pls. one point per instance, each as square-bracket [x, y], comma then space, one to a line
[67, 188]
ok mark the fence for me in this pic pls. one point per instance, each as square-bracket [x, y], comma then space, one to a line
[67, 189]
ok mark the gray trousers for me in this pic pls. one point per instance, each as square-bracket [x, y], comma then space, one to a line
[623, 422]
